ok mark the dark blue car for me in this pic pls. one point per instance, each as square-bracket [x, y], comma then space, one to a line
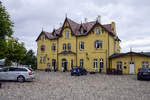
[77, 71]
[143, 74]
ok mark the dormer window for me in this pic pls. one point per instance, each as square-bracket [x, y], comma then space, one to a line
[97, 30]
[67, 34]
[81, 31]
[43, 37]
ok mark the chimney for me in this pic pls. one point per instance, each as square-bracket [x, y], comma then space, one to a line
[113, 27]
[99, 18]
[85, 20]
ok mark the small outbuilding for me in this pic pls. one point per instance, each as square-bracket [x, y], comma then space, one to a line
[130, 62]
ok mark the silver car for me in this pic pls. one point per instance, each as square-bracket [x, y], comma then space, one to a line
[19, 74]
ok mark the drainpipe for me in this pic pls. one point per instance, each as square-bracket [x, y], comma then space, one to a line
[57, 52]
[76, 51]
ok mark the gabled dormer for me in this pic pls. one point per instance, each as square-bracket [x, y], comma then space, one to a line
[82, 30]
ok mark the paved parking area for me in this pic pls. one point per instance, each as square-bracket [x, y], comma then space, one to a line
[62, 86]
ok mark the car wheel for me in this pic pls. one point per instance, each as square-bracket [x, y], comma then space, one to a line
[20, 79]
[138, 77]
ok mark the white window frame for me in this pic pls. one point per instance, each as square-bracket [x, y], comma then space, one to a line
[95, 65]
[40, 59]
[98, 44]
[69, 46]
[119, 65]
[54, 46]
[101, 63]
[98, 31]
[145, 64]
[43, 37]
[81, 31]
[66, 33]
[81, 45]
[64, 47]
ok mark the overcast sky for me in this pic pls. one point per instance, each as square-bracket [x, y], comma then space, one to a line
[132, 18]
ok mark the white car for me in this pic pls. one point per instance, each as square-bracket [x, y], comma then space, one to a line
[19, 74]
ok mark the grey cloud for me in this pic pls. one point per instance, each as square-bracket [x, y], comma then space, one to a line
[131, 17]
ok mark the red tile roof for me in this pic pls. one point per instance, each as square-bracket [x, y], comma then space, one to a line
[75, 29]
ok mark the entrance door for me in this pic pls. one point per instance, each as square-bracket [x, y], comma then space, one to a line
[131, 68]
[54, 64]
[64, 65]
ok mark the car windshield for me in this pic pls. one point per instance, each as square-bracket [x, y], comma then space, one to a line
[144, 70]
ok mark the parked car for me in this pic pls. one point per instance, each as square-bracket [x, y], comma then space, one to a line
[77, 71]
[143, 74]
[19, 74]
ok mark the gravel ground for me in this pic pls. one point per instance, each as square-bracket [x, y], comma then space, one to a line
[62, 86]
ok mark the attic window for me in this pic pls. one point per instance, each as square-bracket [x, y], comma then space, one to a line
[43, 37]
[81, 31]
[97, 30]
[67, 34]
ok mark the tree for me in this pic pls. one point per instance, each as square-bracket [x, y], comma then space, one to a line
[15, 51]
[30, 59]
[5, 29]
[6, 24]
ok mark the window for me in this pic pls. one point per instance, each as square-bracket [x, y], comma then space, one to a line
[44, 59]
[145, 64]
[43, 48]
[54, 46]
[64, 47]
[97, 30]
[54, 63]
[67, 34]
[95, 63]
[81, 31]
[20, 69]
[81, 45]
[98, 44]
[81, 63]
[101, 63]
[12, 69]
[119, 65]
[43, 37]
[40, 59]
[69, 46]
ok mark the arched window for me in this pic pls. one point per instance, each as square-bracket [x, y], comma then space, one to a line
[98, 44]
[95, 63]
[69, 46]
[64, 47]
[42, 47]
[101, 63]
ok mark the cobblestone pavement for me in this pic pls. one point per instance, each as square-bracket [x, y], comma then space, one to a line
[62, 86]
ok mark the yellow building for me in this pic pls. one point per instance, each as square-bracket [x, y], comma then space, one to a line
[87, 45]
[130, 62]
